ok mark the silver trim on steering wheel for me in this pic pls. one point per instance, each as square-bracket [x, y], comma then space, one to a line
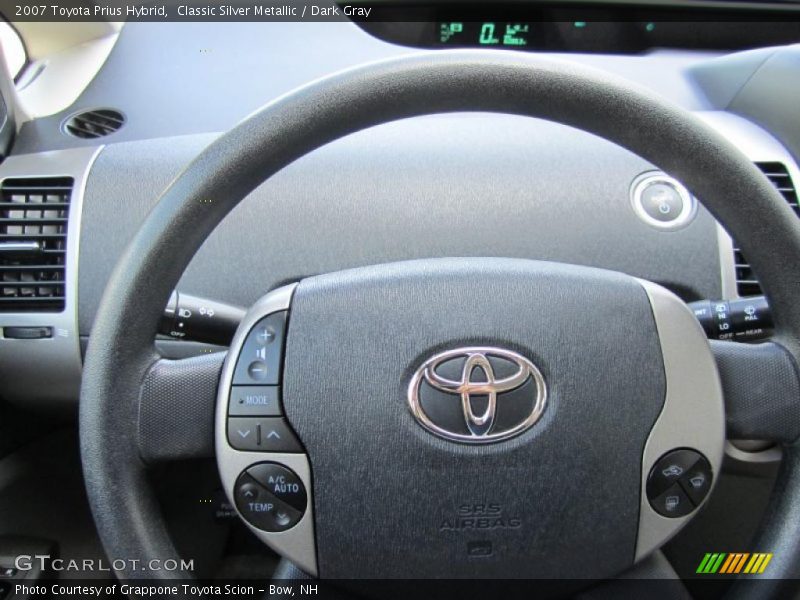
[297, 543]
[693, 415]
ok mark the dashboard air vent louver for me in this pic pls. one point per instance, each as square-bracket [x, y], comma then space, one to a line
[778, 174]
[33, 243]
[746, 281]
[94, 123]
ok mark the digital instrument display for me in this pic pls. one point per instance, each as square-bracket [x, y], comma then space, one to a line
[489, 33]
[543, 35]
[554, 27]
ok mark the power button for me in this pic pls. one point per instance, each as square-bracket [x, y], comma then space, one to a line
[662, 202]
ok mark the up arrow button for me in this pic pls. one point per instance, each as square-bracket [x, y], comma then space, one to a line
[262, 435]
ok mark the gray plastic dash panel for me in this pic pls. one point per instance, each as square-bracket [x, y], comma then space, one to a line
[454, 185]
[48, 371]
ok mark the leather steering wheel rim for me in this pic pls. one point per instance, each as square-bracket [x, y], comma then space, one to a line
[125, 509]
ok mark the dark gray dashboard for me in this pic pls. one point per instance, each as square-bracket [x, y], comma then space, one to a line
[461, 185]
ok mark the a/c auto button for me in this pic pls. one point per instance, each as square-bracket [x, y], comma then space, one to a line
[262, 509]
[280, 482]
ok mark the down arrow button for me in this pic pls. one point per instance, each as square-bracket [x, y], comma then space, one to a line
[262, 435]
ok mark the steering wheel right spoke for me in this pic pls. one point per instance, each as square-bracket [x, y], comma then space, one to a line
[761, 387]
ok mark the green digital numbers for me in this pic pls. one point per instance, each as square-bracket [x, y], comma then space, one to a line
[487, 37]
[488, 33]
[516, 34]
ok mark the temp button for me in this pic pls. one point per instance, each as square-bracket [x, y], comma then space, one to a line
[270, 497]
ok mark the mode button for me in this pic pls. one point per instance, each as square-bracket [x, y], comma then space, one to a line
[255, 401]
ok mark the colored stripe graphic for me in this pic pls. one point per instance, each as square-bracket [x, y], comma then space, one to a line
[752, 564]
[742, 558]
[703, 563]
[727, 564]
[711, 562]
[765, 562]
[717, 563]
[730, 564]
[734, 563]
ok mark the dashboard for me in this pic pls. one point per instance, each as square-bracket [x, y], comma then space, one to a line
[578, 30]
[444, 185]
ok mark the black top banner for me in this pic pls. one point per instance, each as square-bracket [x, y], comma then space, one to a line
[377, 11]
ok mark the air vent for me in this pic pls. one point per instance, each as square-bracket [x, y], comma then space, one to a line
[94, 123]
[33, 243]
[778, 174]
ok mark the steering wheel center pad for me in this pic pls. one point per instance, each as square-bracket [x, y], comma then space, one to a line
[384, 486]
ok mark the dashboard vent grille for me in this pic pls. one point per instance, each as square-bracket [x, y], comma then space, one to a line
[746, 281]
[33, 243]
[94, 123]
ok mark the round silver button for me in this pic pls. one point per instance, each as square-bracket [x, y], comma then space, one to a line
[662, 201]
[257, 370]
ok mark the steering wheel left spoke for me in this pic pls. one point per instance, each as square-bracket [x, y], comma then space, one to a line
[175, 415]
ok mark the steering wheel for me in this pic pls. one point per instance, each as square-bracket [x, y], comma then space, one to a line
[455, 415]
